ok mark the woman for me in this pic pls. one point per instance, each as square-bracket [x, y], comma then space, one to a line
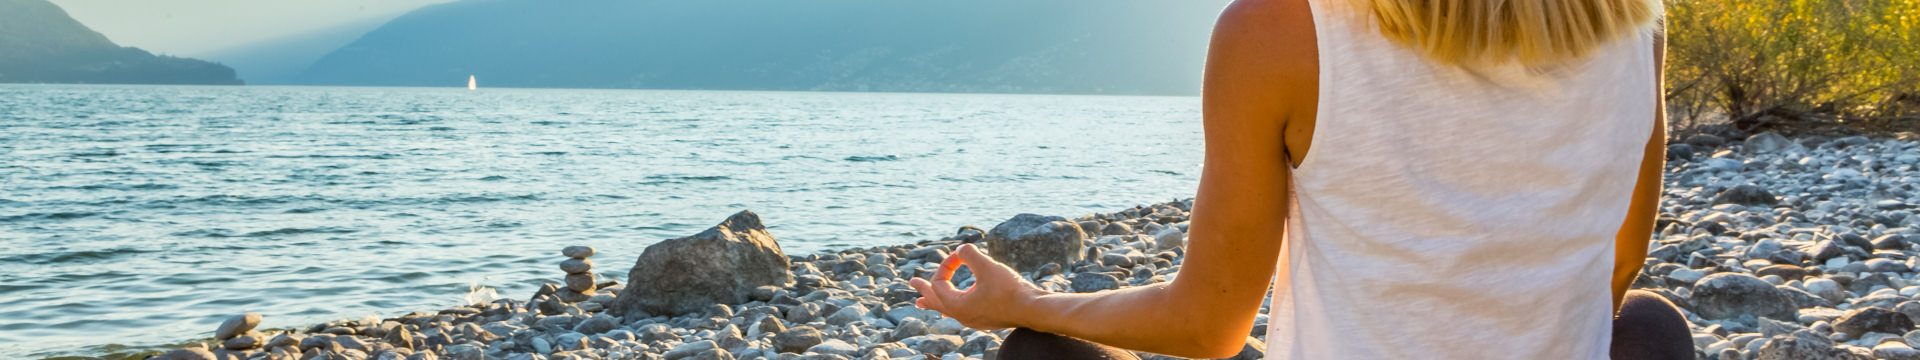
[1415, 179]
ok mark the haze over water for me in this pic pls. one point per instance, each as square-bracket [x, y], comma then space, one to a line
[145, 215]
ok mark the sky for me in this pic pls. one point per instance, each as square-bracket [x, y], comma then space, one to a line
[203, 27]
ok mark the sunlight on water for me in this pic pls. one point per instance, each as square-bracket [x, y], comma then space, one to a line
[145, 215]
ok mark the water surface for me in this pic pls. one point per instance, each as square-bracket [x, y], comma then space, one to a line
[145, 215]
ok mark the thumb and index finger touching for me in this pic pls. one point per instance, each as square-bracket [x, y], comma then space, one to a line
[937, 291]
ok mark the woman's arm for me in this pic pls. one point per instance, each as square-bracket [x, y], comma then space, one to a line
[1258, 76]
[1630, 244]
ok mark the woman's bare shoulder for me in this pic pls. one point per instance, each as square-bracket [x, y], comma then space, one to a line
[1273, 42]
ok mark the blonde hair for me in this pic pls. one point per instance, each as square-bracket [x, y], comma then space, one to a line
[1533, 32]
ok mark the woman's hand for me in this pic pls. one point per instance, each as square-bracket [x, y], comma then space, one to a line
[997, 297]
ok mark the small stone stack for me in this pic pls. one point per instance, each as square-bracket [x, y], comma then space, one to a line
[580, 280]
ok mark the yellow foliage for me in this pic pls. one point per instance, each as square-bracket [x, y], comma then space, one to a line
[1846, 60]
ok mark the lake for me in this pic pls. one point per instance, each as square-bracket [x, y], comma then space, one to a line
[144, 215]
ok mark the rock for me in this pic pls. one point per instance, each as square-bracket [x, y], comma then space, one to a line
[1763, 248]
[1804, 345]
[1826, 250]
[712, 354]
[834, 347]
[1117, 229]
[937, 345]
[1746, 194]
[540, 345]
[1874, 319]
[1706, 141]
[689, 349]
[969, 235]
[947, 326]
[351, 343]
[315, 341]
[1728, 295]
[980, 345]
[1766, 142]
[1682, 152]
[400, 338]
[1028, 241]
[1855, 240]
[1887, 266]
[1091, 282]
[910, 328]
[722, 265]
[243, 342]
[597, 324]
[1895, 350]
[571, 341]
[1826, 289]
[771, 325]
[847, 315]
[1116, 259]
[797, 339]
[1771, 328]
[185, 354]
[466, 352]
[1910, 308]
[580, 283]
[291, 340]
[1253, 350]
[576, 266]
[1170, 238]
[1723, 164]
[1788, 272]
[234, 326]
[1890, 242]
[1686, 276]
[1802, 298]
[578, 252]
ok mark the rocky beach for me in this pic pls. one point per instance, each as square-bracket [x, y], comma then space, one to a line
[1774, 247]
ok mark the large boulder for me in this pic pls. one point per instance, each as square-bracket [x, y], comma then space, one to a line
[1030, 241]
[722, 265]
[1728, 295]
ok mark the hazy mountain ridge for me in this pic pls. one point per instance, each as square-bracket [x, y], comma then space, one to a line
[40, 43]
[1063, 46]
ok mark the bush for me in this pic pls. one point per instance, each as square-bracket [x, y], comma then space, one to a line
[1780, 63]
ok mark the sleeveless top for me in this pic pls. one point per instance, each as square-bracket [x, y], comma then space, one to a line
[1451, 213]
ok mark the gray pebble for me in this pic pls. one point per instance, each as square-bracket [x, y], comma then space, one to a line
[234, 326]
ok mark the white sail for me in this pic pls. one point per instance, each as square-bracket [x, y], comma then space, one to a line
[471, 84]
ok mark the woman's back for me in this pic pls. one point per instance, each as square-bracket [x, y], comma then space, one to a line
[1457, 212]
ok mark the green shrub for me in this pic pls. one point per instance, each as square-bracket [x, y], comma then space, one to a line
[1772, 63]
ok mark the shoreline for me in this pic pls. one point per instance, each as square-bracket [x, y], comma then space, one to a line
[845, 303]
[1821, 229]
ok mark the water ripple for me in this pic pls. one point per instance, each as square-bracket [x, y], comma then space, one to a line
[140, 216]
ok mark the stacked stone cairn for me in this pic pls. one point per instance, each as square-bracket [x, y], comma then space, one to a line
[580, 279]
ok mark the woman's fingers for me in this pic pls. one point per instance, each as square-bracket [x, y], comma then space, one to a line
[972, 255]
[948, 266]
[929, 297]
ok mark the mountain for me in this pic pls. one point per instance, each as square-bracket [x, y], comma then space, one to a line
[1053, 46]
[39, 43]
[280, 61]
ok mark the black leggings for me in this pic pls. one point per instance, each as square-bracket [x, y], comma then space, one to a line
[1647, 328]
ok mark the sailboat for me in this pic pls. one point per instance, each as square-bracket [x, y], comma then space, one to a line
[471, 84]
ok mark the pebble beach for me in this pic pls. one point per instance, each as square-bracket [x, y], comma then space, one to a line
[1774, 248]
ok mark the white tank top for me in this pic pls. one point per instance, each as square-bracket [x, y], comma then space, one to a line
[1445, 213]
